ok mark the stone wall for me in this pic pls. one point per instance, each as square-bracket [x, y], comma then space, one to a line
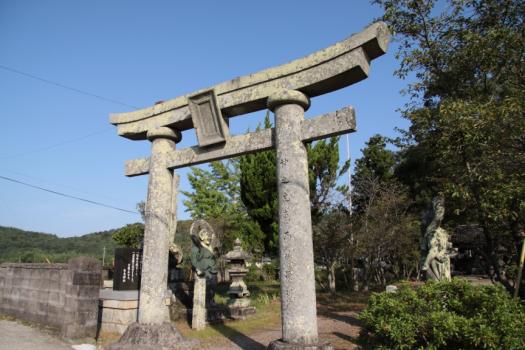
[61, 296]
[118, 309]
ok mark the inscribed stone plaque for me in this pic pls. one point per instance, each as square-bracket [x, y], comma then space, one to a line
[207, 118]
[128, 266]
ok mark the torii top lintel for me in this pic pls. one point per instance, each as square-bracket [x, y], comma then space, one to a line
[340, 65]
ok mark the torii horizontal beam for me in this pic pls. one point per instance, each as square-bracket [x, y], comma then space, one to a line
[326, 125]
[333, 68]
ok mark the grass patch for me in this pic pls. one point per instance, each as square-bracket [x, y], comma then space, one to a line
[267, 316]
[265, 298]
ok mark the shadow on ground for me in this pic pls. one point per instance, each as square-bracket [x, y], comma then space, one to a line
[349, 318]
[346, 337]
[241, 340]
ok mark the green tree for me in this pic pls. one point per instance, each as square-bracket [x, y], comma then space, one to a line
[385, 230]
[376, 164]
[216, 197]
[258, 184]
[467, 114]
[130, 235]
[331, 237]
[323, 172]
[215, 191]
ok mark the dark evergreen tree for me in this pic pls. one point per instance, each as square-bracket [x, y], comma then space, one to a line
[258, 183]
[376, 166]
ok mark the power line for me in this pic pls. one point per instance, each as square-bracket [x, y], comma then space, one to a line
[29, 75]
[55, 184]
[45, 148]
[66, 195]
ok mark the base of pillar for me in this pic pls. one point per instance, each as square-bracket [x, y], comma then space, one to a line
[281, 345]
[153, 337]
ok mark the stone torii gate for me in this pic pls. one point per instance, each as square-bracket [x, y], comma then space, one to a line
[286, 90]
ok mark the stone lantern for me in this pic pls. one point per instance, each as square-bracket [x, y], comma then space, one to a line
[239, 302]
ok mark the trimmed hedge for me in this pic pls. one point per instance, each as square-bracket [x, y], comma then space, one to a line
[444, 315]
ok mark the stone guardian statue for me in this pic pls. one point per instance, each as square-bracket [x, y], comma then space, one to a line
[436, 249]
[204, 264]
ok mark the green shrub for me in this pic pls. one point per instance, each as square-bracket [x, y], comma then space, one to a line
[254, 274]
[271, 271]
[444, 315]
[130, 235]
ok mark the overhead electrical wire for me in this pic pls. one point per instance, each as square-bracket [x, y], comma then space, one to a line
[29, 75]
[55, 184]
[45, 148]
[66, 195]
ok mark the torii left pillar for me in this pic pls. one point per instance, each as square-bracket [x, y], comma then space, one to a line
[153, 308]
[154, 328]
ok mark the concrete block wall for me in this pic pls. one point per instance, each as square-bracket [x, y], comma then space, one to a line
[62, 296]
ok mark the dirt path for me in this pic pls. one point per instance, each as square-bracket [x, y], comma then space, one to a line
[16, 336]
[341, 333]
[337, 325]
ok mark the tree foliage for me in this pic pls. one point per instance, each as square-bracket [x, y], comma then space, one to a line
[323, 172]
[331, 238]
[376, 164]
[215, 191]
[385, 230]
[216, 197]
[258, 183]
[467, 114]
[387, 233]
[130, 235]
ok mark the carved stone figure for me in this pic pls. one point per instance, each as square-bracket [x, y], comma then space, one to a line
[436, 250]
[204, 264]
[203, 257]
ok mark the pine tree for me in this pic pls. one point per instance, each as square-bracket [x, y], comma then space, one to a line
[259, 192]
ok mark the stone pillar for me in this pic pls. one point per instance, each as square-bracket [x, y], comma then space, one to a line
[298, 301]
[153, 308]
[198, 317]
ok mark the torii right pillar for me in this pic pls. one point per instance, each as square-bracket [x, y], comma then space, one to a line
[298, 301]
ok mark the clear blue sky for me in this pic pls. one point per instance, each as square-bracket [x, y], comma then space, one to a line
[139, 52]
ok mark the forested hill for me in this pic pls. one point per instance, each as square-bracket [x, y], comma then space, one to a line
[24, 246]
